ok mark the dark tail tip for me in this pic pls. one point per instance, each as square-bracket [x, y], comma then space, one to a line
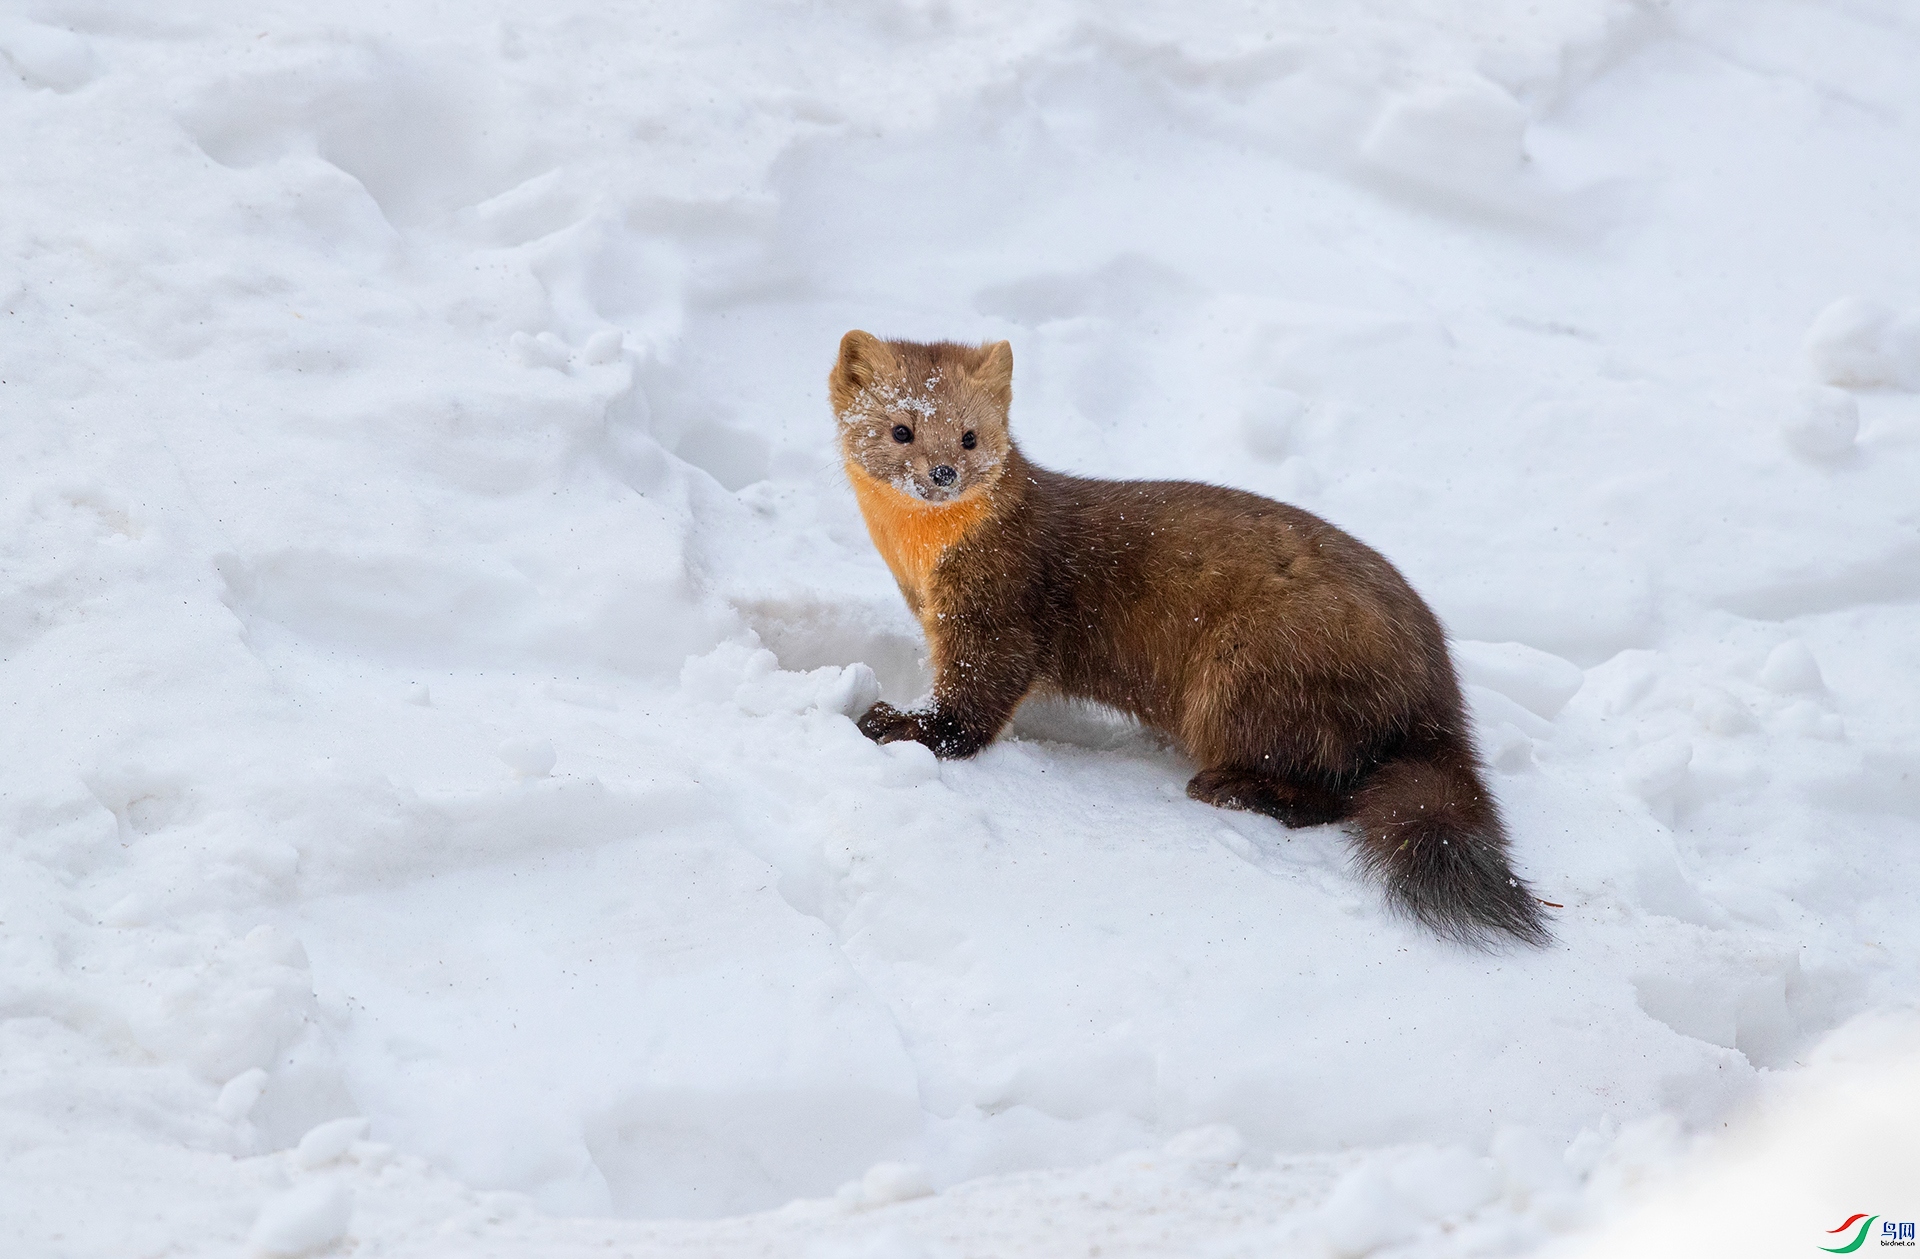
[1432, 833]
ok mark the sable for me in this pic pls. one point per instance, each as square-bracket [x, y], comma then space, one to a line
[1292, 662]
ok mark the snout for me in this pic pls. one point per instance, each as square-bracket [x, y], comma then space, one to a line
[943, 475]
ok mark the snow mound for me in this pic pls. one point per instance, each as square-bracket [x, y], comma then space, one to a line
[1860, 342]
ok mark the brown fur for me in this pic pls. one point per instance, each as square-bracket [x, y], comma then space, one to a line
[1292, 662]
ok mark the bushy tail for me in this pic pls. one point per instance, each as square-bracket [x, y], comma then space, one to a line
[1430, 830]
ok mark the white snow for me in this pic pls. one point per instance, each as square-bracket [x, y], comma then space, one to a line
[303, 1219]
[328, 1141]
[1822, 422]
[529, 758]
[1857, 341]
[431, 614]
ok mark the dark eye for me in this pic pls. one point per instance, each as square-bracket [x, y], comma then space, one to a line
[968, 441]
[902, 434]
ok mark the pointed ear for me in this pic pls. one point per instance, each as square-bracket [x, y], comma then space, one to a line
[995, 373]
[864, 359]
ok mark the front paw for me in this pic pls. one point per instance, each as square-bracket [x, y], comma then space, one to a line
[883, 723]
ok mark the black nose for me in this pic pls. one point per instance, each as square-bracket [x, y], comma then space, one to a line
[943, 475]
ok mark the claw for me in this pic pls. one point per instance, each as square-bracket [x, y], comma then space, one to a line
[883, 723]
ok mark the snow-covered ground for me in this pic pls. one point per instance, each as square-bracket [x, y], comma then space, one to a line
[430, 608]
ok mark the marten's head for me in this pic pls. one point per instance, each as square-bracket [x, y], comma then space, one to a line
[929, 420]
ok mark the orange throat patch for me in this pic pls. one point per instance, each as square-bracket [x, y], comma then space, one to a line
[912, 535]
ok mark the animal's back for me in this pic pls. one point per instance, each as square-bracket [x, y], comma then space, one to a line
[1173, 600]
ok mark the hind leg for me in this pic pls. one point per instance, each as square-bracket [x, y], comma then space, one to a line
[1294, 803]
